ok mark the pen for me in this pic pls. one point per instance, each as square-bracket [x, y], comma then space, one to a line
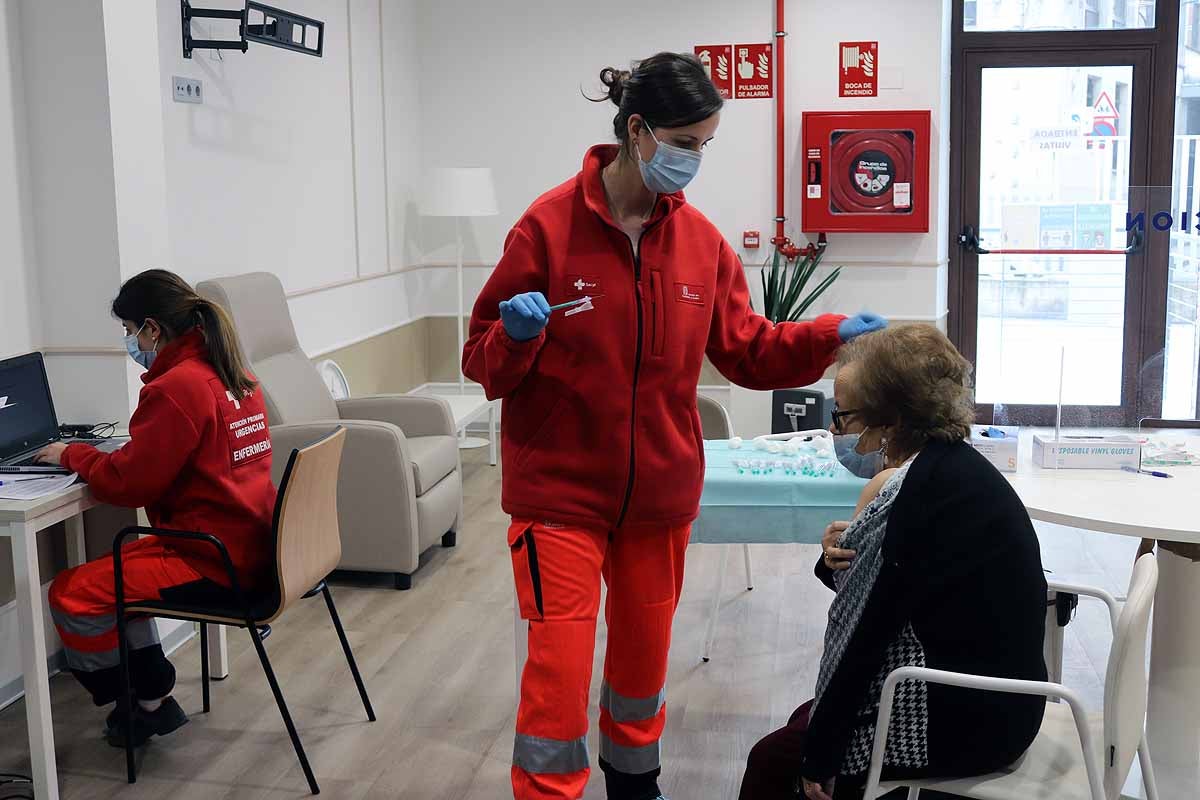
[1155, 473]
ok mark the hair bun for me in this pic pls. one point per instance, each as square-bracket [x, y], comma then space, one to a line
[614, 81]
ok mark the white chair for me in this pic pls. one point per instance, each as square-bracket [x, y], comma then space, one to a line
[1076, 755]
[715, 424]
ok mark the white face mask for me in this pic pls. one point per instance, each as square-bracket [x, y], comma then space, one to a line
[670, 168]
[864, 465]
[144, 358]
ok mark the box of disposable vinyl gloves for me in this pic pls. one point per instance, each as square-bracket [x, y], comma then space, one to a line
[998, 444]
[1087, 452]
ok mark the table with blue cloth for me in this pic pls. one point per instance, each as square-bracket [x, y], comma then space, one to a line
[773, 508]
[740, 507]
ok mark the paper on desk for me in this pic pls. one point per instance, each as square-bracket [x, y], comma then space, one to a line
[34, 488]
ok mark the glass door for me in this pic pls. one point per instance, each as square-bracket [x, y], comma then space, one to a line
[1051, 253]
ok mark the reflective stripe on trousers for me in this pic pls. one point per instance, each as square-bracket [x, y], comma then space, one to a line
[631, 709]
[618, 710]
[632, 760]
[90, 642]
[543, 756]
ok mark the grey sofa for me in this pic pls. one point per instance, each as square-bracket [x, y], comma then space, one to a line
[400, 484]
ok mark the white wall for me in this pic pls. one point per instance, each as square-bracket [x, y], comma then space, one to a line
[74, 208]
[289, 165]
[403, 127]
[19, 318]
[501, 87]
[260, 176]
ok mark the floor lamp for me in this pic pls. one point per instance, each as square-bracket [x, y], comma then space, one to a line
[460, 192]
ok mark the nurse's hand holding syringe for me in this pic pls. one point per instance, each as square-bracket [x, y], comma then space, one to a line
[526, 314]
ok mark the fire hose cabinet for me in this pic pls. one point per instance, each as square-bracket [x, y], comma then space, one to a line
[866, 172]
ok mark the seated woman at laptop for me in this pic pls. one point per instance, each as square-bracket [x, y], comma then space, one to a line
[944, 571]
[198, 459]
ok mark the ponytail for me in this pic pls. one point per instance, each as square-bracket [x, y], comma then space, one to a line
[168, 299]
[224, 350]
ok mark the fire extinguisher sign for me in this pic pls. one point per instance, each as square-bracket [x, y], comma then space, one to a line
[753, 71]
[717, 60]
[858, 69]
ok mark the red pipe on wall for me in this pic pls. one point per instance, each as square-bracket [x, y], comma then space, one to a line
[780, 123]
[782, 243]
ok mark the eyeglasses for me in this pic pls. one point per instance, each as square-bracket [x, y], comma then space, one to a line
[839, 415]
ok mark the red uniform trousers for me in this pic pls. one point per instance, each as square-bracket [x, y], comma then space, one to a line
[83, 604]
[557, 569]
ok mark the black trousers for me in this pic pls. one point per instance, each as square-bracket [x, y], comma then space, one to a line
[772, 771]
[150, 674]
[624, 786]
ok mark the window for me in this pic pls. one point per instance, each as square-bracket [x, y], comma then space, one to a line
[1093, 90]
[1055, 15]
[1190, 22]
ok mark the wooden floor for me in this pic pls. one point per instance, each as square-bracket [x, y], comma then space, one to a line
[438, 661]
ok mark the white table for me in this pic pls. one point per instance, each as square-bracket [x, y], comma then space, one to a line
[1112, 501]
[21, 522]
[469, 408]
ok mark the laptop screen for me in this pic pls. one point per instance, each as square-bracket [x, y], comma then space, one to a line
[27, 418]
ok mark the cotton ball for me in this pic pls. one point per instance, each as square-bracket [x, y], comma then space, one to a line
[735, 443]
[760, 444]
[774, 448]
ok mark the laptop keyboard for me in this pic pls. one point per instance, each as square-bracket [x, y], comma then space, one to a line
[13, 469]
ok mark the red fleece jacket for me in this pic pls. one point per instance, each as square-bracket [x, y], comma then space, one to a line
[198, 459]
[600, 421]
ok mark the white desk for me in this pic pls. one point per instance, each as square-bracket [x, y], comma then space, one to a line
[1112, 501]
[21, 522]
[468, 408]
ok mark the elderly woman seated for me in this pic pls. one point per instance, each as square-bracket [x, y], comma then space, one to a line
[940, 568]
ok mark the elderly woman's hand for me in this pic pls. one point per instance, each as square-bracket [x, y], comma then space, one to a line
[817, 791]
[835, 557]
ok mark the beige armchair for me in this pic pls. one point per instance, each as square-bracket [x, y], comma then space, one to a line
[400, 483]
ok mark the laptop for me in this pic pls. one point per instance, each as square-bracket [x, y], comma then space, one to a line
[27, 419]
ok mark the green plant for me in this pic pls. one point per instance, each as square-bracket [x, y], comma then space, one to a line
[784, 282]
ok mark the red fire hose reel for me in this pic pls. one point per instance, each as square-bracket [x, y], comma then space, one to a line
[866, 171]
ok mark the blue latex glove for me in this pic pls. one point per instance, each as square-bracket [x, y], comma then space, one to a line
[852, 327]
[525, 315]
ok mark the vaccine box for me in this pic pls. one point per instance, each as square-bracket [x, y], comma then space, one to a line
[1087, 452]
[1001, 450]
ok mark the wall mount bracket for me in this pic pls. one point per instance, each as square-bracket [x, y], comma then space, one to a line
[257, 22]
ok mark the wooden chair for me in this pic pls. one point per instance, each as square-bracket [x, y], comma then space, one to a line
[307, 548]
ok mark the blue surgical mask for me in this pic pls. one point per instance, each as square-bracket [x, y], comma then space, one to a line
[863, 465]
[144, 358]
[670, 168]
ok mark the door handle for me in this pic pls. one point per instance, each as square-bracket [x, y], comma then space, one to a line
[969, 240]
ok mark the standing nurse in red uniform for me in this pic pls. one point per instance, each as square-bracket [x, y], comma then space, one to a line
[603, 458]
[198, 459]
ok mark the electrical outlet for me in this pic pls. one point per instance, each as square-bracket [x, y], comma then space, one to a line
[187, 90]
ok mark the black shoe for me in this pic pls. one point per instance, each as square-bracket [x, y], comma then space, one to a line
[110, 722]
[167, 718]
